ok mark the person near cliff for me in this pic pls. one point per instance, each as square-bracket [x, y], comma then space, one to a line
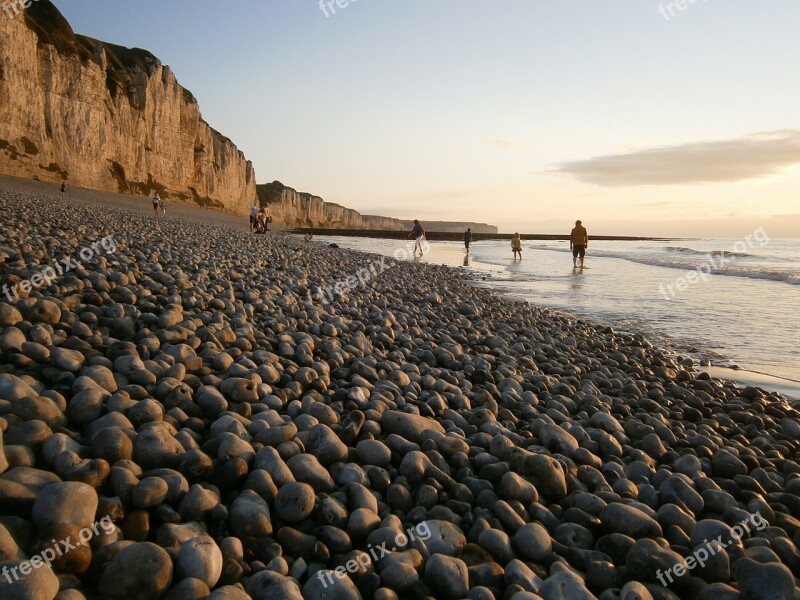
[578, 242]
[418, 233]
[253, 217]
[63, 188]
[516, 246]
[467, 238]
[162, 206]
[156, 202]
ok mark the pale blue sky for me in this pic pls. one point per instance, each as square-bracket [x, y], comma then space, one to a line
[491, 110]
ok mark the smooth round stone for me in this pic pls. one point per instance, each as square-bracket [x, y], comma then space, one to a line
[250, 516]
[149, 492]
[725, 464]
[13, 388]
[188, 589]
[43, 311]
[763, 581]
[198, 503]
[514, 487]
[306, 468]
[68, 360]
[399, 576]
[646, 558]
[70, 503]
[709, 529]
[229, 592]
[12, 340]
[294, 502]
[238, 389]
[362, 522]
[548, 474]
[142, 571]
[533, 542]
[558, 440]
[447, 575]
[445, 538]
[406, 425]
[621, 518]
[566, 585]
[498, 544]
[323, 443]
[633, 590]
[199, 558]
[36, 584]
[155, 447]
[374, 452]
[112, 444]
[9, 315]
[266, 585]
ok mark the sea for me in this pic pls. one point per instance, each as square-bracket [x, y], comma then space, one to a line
[729, 304]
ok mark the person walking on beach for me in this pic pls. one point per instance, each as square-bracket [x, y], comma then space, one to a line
[253, 217]
[467, 238]
[156, 202]
[162, 206]
[63, 188]
[516, 246]
[418, 233]
[578, 242]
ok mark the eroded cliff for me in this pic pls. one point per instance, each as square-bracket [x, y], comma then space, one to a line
[298, 209]
[106, 117]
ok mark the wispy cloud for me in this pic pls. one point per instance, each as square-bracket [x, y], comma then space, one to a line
[721, 161]
[506, 144]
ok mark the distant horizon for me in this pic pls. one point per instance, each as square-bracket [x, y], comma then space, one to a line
[537, 113]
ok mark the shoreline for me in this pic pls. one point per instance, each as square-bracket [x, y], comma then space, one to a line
[446, 236]
[197, 376]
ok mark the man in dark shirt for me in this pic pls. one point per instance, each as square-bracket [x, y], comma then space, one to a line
[418, 233]
[467, 238]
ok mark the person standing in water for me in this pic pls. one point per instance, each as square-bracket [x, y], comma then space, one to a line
[467, 238]
[516, 246]
[418, 233]
[578, 242]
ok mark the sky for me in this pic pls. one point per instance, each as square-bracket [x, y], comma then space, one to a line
[638, 117]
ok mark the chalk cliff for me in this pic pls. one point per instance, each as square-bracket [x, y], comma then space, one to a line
[298, 209]
[106, 117]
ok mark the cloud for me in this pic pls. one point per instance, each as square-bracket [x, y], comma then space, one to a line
[506, 144]
[722, 161]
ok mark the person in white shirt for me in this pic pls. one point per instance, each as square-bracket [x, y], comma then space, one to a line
[253, 217]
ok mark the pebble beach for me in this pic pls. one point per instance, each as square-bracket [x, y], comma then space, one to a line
[238, 432]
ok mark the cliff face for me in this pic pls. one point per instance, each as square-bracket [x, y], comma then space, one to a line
[105, 117]
[296, 209]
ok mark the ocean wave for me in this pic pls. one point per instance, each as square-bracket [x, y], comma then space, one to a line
[730, 270]
[694, 252]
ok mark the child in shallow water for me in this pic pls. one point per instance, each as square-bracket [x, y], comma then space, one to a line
[516, 246]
